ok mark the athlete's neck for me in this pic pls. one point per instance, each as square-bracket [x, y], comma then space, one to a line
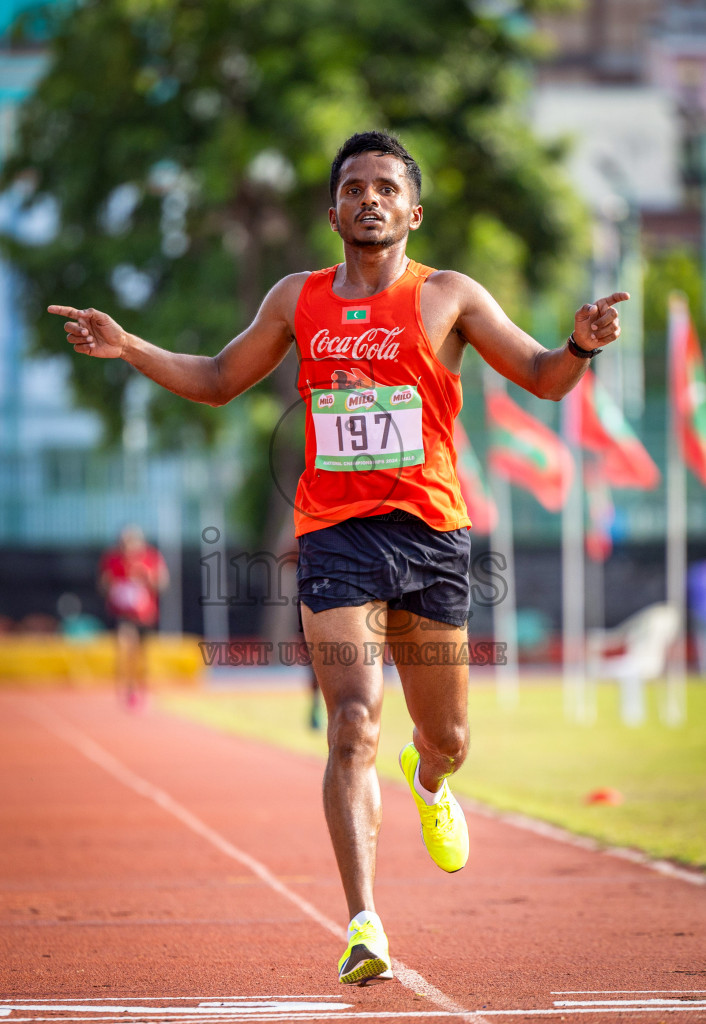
[367, 271]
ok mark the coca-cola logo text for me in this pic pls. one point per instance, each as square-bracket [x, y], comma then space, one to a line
[375, 343]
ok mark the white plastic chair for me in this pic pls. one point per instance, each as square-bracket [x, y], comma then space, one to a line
[644, 640]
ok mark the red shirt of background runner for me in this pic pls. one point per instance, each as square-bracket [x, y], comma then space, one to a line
[133, 584]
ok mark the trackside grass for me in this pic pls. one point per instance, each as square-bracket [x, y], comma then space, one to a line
[529, 759]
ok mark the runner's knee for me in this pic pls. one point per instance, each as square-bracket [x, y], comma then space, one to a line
[353, 730]
[451, 744]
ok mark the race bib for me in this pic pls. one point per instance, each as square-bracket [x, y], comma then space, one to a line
[129, 597]
[359, 430]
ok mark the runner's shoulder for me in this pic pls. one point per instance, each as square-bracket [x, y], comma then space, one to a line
[284, 295]
[453, 288]
[452, 280]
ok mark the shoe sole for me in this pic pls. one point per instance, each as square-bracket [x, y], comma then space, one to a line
[367, 969]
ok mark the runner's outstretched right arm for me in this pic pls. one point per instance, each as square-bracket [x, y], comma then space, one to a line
[213, 380]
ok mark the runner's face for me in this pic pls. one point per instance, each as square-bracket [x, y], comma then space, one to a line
[374, 202]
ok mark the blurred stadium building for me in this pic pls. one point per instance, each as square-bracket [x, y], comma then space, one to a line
[642, 63]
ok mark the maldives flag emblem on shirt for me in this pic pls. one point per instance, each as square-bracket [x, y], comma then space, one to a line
[356, 314]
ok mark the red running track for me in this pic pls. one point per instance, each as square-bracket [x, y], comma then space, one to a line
[156, 870]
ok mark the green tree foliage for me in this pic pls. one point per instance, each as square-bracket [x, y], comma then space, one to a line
[673, 270]
[188, 145]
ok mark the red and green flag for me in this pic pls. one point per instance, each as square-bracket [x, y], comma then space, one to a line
[482, 509]
[355, 315]
[600, 512]
[624, 460]
[688, 387]
[527, 453]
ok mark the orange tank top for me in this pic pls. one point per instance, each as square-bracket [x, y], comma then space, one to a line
[380, 408]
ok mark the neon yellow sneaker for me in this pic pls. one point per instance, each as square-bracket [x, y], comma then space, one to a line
[367, 959]
[444, 828]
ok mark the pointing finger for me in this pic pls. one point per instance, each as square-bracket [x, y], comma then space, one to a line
[64, 310]
[610, 300]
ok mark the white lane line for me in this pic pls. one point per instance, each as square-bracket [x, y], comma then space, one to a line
[399, 1014]
[629, 1002]
[631, 992]
[258, 1005]
[390, 1014]
[216, 1000]
[379, 1015]
[547, 831]
[598, 1009]
[92, 751]
[554, 1012]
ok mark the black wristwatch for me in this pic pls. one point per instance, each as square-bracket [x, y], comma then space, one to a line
[582, 353]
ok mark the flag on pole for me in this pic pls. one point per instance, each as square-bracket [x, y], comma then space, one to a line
[625, 462]
[688, 386]
[482, 509]
[527, 453]
[601, 512]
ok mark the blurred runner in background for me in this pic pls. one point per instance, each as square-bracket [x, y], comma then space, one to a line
[130, 577]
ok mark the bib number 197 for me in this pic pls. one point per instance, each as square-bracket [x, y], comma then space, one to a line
[360, 430]
[356, 427]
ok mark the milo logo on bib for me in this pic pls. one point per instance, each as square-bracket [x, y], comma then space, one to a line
[361, 400]
[362, 426]
[402, 396]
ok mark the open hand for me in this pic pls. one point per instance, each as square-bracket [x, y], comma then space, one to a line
[596, 324]
[92, 333]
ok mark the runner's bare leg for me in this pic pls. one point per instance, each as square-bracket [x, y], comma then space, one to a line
[436, 695]
[353, 696]
[131, 663]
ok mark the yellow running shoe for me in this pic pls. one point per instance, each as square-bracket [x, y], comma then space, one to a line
[444, 828]
[367, 959]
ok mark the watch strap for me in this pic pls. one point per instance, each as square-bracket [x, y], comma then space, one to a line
[581, 353]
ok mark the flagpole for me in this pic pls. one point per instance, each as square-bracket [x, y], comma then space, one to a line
[507, 676]
[673, 710]
[579, 693]
[595, 582]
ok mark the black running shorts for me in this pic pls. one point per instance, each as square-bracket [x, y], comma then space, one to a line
[395, 558]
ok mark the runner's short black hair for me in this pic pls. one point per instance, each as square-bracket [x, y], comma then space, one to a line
[380, 142]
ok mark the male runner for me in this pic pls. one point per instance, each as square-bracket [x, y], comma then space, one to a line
[382, 527]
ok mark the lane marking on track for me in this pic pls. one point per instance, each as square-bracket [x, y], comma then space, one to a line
[214, 1000]
[215, 1013]
[267, 1015]
[632, 992]
[562, 1012]
[629, 1002]
[547, 831]
[231, 1010]
[92, 751]
[253, 1009]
